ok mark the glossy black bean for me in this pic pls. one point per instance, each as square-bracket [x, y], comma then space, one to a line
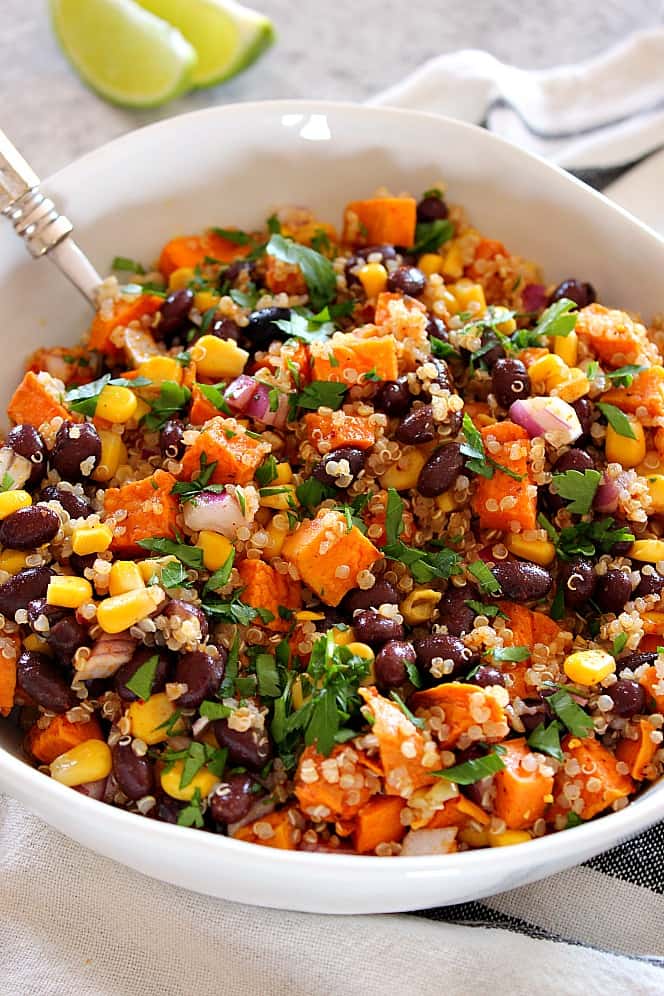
[622, 547]
[127, 672]
[443, 378]
[538, 711]
[485, 676]
[65, 637]
[80, 564]
[77, 450]
[233, 798]
[184, 611]
[390, 666]
[577, 579]
[75, 506]
[393, 397]
[167, 809]
[202, 674]
[632, 661]
[382, 593]
[335, 468]
[585, 410]
[629, 698]
[522, 581]
[261, 330]
[26, 441]
[171, 439]
[372, 628]
[448, 648]
[453, 611]
[384, 250]
[432, 208]
[440, 471]
[417, 427]
[436, 329]
[133, 774]
[28, 528]
[40, 607]
[249, 748]
[174, 313]
[574, 459]
[407, 280]
[613, 590]
[22, 588]
[225, 328]
[581, 293]
[510, 381]
[496, 352]
[651, 583]
[38, 677]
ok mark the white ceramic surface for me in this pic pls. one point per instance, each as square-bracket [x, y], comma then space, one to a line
[232, 166]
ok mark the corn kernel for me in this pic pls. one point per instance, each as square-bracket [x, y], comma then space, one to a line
[420, 605]
[574, 386]
[275, 540]
[284, 475]
[373, 277]
[306, 616]
[12, 561]
[113, 454]
[68, 592]
[446, 502]
[285, 499]
[540, 552]
[508, 325]
[142, 409]
[11, 501]
[297, 694]
[91, 539]
[180, 278]
[119, 612]
[620, 449]
[203, 780]
[469, 293]
[508, 837]
[430, 262]
[656, 488]
[148, 720]
[216, 549]
[474, 838]
[588, 667]
[37, 645]
[405, 472]
[116, 404]
[649, 550]
[566, 347]
[342, 637]
[449, 300]
[453, 262]
[361, 650]
[125, 576]
[87, 762]
[161, 368]
[547, 372]
[218, 358]
[153, 567]
[204, 300]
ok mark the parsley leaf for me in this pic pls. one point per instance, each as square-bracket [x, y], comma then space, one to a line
[124, 263]
[573, 820]
[268, 676]
[7, 482]
[547, 740]
[192, 813]
[318, 272]
[186, 490]
[312, 492]
[414, 676]
[474, 770]
[302, 326]
[220, 577]
[191, 556]
[214, 710]
[173, 575]
[623, 376]
[514, 654]
[321, 393]
[479, 462]
[590, 538]
[619, 644]
[245, 299]
[430, 235]
[488, 583]
[141, 680]
[559, 319]
[393, 516]
[172, 399]
[84, 399]
[267, 472]
[442, 350]
[482, 609]
[215, 395]
[577, 487]
[233, 235]
[572, 715]
[617, 420]
[415, 720]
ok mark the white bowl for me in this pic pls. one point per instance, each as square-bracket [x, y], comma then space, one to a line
[232, 166]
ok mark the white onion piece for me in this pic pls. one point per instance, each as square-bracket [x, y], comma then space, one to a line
[220, 513]
[551, 418]
[108, 654]
[606, 497]
[439, 841]
[14, 465]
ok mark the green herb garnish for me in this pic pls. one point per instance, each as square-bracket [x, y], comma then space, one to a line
[578, 488]
[474, 770]
[488, 583]
[172, 399]
[431, 235]
[123, 263]
[547, 740]
[141, 681]
[617, 420]
[514, 654]
[192, 813]
[572, 715]
[191, 556]
[321, 393]
[317, 270]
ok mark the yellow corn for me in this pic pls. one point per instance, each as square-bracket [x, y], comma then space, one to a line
[116, 404]
[373, 277]
[87, 762]
[467, 294]
[204, 300]
[430, 262]
[446, 502]
[284, 475]
[540, 552]
[361, 650]
[218, 358]
[474, 838]
[508, 837]
[574, 386]
[147, 719]
[588, 667]
[508, 325]
[180, 278]
[216, 549]
[125, 576]
[453, 263]
[342, 637]
[449, 300]
[652, 466]
[566, 347]
[656, 488]
[119, 612]
[91, 539]
[203, 780]
[285, 499]
[420, 605]
[620, 449]
[153, 567]
[12, 561]
[306, 616]
[297, 694]
[161, 368]
[649, 550]
[406, 471]
[113, 454]
[142, 409]
[547, 372]
[11, 501]
[276, 536]
[68, 592]
[37, 645]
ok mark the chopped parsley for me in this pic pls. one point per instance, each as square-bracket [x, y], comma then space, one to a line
[559, 319]
[245, 299]
[573, 820]
[267, 674]
[84, 399]
[623, 376]
[267, 472]
[424, 565]
[586, 538]
[192, 814]
[234, 235]
[547, 740]
[123, 263]
[186, 490]
[312, 492]
[619, 644]
[215, 395]
[191, 556]
[173, 575]
[578, 488]
[415, 720]
[513, 654]
[214, 710]
[142, 679]
[317, 270]
[571, 715]
[477, 459]
[194, 757]
[7, 482]
[442, 350]
[172, 399]
[488, 583]
[220, 577]
[617, 420]
[430, 235]
[321, 393]
[474, 770]
[484, 609]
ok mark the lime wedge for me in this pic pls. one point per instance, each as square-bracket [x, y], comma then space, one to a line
[227, 36]
[123, 52]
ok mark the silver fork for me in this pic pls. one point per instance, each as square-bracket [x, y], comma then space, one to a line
[38, 222]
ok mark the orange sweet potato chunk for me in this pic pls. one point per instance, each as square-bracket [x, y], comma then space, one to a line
[380, 219]
[151, 511]
[7, 685]
[236, 453]
[32, 403]
[639, 753]
[653, 684]
[458, 813]
[191, 250]
[338, 429]
[60, 736]
[379, 822]
[400, 746]
[490, 492]
[384, 300]
[600, 783]
[340, 802]
[328, 556]
[265, 588]
[283, 831]
[612, 335]
[345, 351]
[521, 794]
[461, 703]
[645, 392]
[124, 312]
[201, 409]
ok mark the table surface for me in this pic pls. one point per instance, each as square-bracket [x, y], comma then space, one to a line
[340, 51]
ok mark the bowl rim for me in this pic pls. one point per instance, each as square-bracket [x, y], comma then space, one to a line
[609, 830]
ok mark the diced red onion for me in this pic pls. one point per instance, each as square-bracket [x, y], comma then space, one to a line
[93, 790]
[551, 418]
[438, 841]
[220, 513]
[239, 391]
[606, 497]
[252, 398]
[534, 297]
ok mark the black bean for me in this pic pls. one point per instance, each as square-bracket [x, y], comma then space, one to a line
[382, 593]
[232, 272]
[28, 528]
[26, 441]
[448, 648]
[353, 263]
[443, 377]
[22, 588]
[372, 628]
[622, 546]
[440, 471]
[632, 661]
[127, 672]
[390, 664]
[581, 293]
[577, 579]
[261, 330]
[485, 676]
[133, 774]
[436, 329]
[497, 352]
[584, 409]
[75, 506]
[77, 450]
[522, 581]
[174, 315]
[80, 564]
[629, 698]
[407, 280]
[574, 460]
[167, 809]
[225, 328]
[37, 677]
[65, 637]
[171, 441]
[233, 798]
[202, 674]
[417, 427]
[384, 249]
[353, 456]
[432, 208]
[40, 607]
[393, 397]
[185, 611]
[510, 381]
[651, 583]
[613, 590]
[249, 748]
[539, 711]
[453, 611]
